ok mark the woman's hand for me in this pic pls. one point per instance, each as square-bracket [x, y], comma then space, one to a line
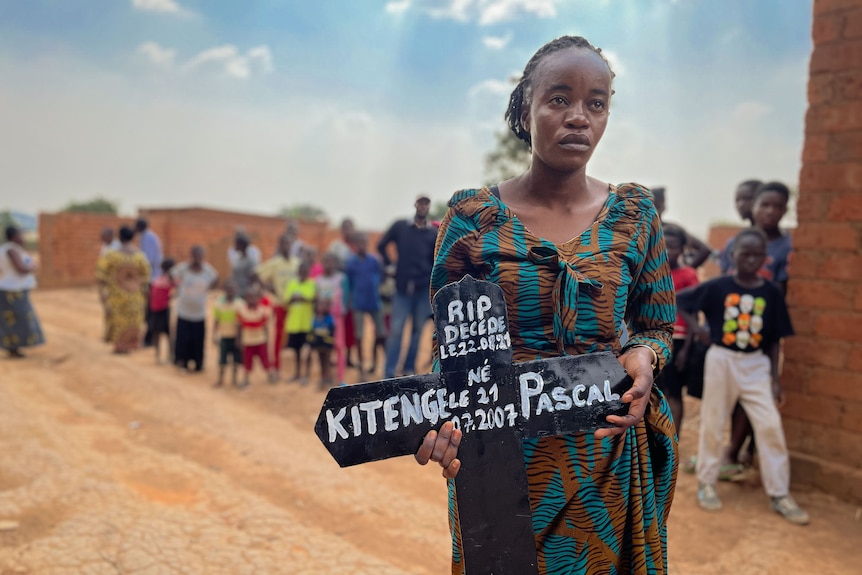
[637, 361]
[442, 447]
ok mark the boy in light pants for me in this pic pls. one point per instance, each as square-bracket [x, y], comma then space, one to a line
[747, 318]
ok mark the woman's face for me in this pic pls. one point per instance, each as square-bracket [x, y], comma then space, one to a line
[569, 101]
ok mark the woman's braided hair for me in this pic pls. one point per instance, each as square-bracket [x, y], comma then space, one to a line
[520, 95]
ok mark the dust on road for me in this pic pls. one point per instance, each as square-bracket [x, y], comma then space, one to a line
[113, 464]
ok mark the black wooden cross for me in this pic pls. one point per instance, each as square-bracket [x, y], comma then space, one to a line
[495, 404]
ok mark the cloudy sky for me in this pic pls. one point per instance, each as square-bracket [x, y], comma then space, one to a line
[356, 106]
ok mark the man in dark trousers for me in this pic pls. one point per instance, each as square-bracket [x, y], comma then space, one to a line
[414, 241]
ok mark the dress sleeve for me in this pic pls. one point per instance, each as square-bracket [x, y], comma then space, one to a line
[452, 259]
[651, 309]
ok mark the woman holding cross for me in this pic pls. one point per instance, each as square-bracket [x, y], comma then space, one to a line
[576, 258]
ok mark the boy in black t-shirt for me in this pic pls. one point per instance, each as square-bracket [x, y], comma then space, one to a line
[747, 318]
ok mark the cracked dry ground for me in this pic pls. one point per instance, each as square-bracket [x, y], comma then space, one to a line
[116, 465]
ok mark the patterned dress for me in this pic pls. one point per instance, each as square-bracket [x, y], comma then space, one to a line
[19, 326]
[599, 506]
[124, 277]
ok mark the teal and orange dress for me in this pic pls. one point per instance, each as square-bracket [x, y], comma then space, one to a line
[599, 506]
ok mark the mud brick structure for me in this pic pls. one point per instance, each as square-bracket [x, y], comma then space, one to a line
[69, 242]
[823, 363]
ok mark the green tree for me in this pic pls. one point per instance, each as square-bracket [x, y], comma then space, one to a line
[6, 220]
[509, 158]
[306, 212]
[97, 205]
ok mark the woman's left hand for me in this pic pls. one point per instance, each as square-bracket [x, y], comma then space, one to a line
[637, 361]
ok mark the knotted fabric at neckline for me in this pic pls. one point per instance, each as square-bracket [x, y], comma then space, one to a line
[565, 294]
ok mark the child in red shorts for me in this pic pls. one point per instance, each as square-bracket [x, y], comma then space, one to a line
[159, 319]
[253, 317]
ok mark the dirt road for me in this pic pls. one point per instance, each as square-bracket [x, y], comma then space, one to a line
[116, 465]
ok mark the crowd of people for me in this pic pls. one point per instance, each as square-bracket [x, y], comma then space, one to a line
[585, 266]
[318, 307]
[727, 348]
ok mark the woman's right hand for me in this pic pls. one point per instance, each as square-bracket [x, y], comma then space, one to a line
[442, 447]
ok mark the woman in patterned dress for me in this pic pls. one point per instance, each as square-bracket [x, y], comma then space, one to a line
[124, 276]
[577, 258]
[19, 326]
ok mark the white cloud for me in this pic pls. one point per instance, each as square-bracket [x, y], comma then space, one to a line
[494, 11]
[452, 9]
[217, 54]
[256, 158]
[494, 87]
[262, 57]
[497, 42]
[397, 6]
[157, 55]
[487, 12]
[226, 58]
[750, 111]
[160, 6]
[614, 61]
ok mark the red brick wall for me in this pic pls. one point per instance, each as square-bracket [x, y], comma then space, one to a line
[180, 229]
[69, 242]
[717, 239]
[823, 362]
[69, 247]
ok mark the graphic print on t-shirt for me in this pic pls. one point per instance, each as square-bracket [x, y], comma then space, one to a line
[743, 320]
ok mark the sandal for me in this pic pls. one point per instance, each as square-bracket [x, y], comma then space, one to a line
[727, 471]
[690, 466]
[730, 471]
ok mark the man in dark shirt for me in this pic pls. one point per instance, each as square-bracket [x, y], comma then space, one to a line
[414, 241]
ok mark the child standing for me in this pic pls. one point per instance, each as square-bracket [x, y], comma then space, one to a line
[768, 206]
[322, 339]
[331, 286]
[225, 332]
[193, 279]
[160, 307]
[747, 318]
[253, 317]
[299, 296]
[673, 376]
[274, 273]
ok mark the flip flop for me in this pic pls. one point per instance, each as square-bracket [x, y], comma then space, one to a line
[730, 471]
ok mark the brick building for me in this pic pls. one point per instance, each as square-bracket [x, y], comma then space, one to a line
[823, 363]
[69, 242]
